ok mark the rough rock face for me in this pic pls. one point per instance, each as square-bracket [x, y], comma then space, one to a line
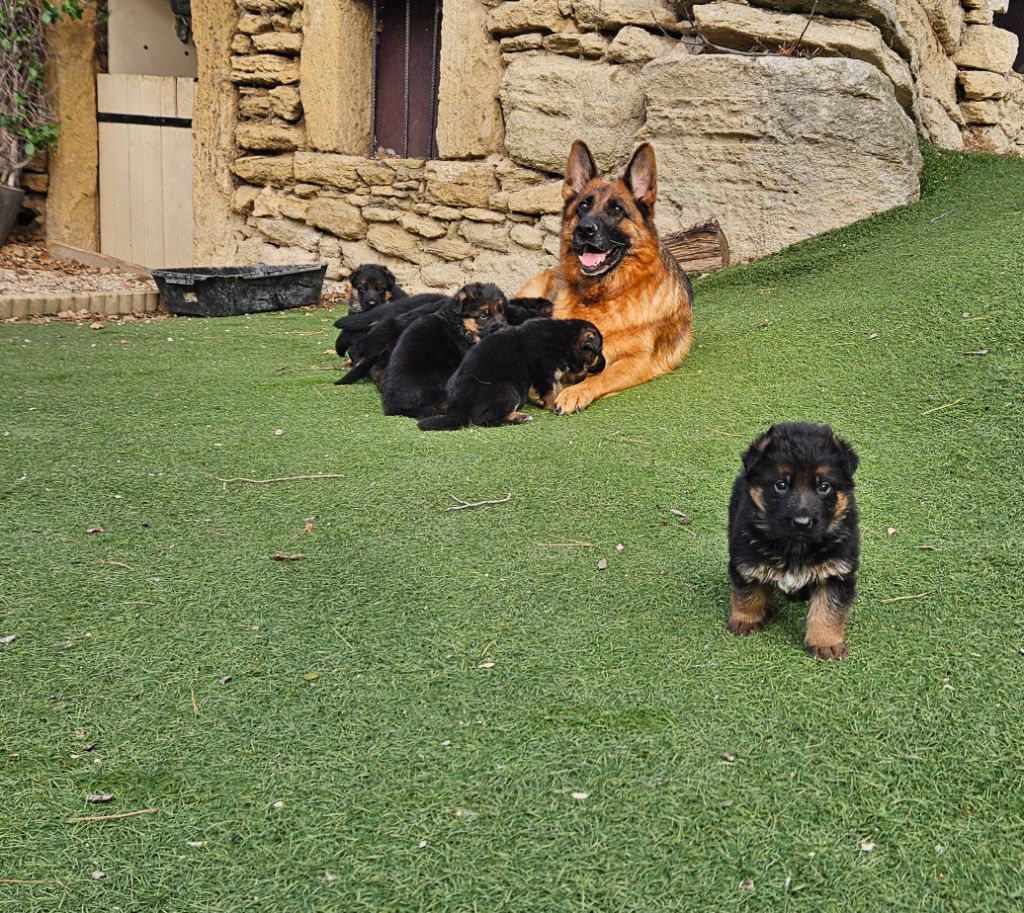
[551, 101]
[987, 48]
[779, 149]
[469, 119]
[744, 27]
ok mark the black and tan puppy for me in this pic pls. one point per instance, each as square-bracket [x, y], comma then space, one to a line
[519, 310]
[372, 284]
[371, 350]
[533, 361]
[793, 530]
[355, 326]
[429, 351]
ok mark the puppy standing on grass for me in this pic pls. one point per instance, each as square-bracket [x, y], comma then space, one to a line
[431, 349]
[793, 530]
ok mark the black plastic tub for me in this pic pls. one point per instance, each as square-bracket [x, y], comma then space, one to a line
[227, 291]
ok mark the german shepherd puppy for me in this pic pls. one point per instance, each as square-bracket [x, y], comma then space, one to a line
[371, 350]
[614, 272]
[372, 284]
[354, 326]
[430, 350]
[530, 361]
[519, 310]
[793, 530]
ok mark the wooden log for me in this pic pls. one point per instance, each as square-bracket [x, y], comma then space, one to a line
[700, 249]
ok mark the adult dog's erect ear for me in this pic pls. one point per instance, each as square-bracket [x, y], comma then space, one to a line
[580, 169]
[641, 177]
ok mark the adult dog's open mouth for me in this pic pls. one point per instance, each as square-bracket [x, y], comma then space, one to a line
[596, 262]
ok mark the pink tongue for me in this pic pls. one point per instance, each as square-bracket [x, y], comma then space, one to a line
[590, 260]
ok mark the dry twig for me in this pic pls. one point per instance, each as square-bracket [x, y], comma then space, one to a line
[240, 479]
[462, 505]
[901, 598]
[90, 818]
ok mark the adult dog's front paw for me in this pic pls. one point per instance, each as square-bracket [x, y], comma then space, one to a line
[573, 399]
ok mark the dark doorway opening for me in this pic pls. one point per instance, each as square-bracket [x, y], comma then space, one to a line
[1013, 21]
[405, 76]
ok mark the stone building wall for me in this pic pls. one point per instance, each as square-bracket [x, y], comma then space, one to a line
[819, 134]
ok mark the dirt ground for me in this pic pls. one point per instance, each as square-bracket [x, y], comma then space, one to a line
[27, 268]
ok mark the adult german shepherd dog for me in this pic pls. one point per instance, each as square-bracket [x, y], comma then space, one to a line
[614, 272]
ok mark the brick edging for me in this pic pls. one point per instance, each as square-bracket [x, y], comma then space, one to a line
[137, 302]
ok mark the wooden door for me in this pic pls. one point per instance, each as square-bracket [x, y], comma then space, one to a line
[145, 132]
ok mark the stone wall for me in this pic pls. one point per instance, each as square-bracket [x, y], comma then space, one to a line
[818, 134]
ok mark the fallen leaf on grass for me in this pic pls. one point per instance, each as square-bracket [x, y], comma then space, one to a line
[287, 556]
[311, 676]
[684, 520]
[891, 531]
[725, 804]
[580, 796]
[10, 638]
[98, 874]
[486, 665]
[866, 846]
[99, 798]
[95, 529]
[602, 565]
[224, 679]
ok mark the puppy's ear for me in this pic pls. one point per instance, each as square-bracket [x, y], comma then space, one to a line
[580, 170]
[848, 455]
[466, 300]
[641, 176]
[757, 450]
[389, 281]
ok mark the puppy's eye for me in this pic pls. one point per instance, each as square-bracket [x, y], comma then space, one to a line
[824, 488]
[782, 485]
[484, 314]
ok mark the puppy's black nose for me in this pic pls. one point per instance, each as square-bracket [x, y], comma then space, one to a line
[802, 522]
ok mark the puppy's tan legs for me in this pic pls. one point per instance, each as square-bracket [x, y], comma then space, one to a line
[749, 608]
[830, 606]
[517, 418]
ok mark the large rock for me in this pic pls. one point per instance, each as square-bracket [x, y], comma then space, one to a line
[289, 233]
[608, 15]
[270, 137]
[947, 19]
[521, 16]
[941, 129]
[744, 27]
[329, 169]
[935, 71]
[778, 149]
[265, 169]
[264, 70]
[397, 242]
[979, 84]
[986, 47]
[336, 56]
[636, 45]
[341, 219]
[460, 183]
[882, 13]
[469, 118]
[550, 101]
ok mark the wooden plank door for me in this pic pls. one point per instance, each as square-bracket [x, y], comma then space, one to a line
[145, 135]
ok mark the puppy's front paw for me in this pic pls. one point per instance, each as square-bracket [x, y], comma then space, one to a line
[573, 399]
[741, 627]
[828, 651]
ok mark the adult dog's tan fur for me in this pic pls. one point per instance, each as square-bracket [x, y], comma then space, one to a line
[643, 305]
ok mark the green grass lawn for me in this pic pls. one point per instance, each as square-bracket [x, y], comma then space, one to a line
[408, 718]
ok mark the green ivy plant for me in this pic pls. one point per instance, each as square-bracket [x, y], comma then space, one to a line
[26, 121]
